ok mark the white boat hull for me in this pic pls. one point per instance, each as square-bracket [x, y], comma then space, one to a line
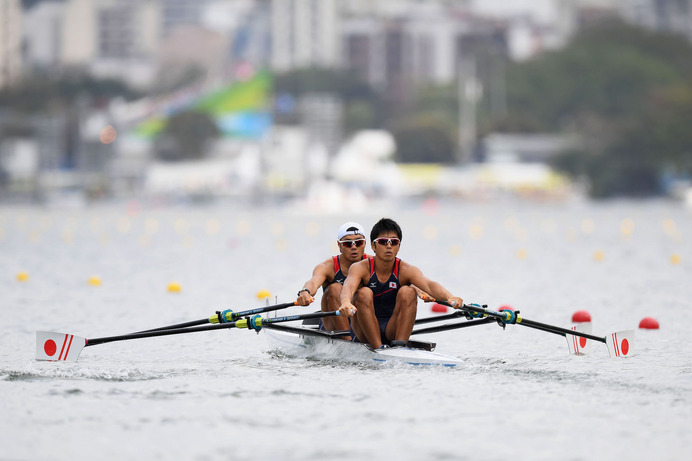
[329, 348]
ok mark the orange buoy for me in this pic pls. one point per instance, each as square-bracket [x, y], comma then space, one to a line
[436, 307]
[581, 317]
[649, 323]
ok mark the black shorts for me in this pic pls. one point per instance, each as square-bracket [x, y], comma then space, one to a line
[383, 328]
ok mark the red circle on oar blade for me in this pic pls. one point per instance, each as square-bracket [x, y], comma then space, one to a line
[50, 348]
[624, 347]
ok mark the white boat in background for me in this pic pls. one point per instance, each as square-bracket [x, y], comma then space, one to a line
[308, 341]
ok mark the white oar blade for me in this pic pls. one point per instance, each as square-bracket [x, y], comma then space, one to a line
[58, 346]
[620, 343]
[576, 344]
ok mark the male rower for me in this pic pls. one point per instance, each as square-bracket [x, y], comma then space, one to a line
[383, 288]
[331, 274]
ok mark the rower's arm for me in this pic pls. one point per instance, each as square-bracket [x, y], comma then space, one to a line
[319, 276]
[356, 273]
[422, 294]
[414, 276]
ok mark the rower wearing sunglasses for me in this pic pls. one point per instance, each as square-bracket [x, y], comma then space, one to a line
[383, 289]
[331, 274]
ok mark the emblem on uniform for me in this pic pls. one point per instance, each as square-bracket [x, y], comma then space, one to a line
[392, 284]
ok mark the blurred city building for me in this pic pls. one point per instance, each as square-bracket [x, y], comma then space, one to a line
[10, 41]
[304, 33]
[660, 15]
[210, 55]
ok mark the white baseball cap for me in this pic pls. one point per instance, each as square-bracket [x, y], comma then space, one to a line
[350, 228]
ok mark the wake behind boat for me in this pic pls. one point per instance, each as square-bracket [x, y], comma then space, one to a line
[308, 341]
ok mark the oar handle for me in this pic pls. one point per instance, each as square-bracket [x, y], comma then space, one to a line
[289, 318]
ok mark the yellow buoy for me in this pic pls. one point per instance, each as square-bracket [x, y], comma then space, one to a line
[521, 254]
[598, 256]
[626, 227]
[174, 287]
[94, 281]
[430, 232]
[675, 259]
[262, 294]
[22, 277]
[476, 231]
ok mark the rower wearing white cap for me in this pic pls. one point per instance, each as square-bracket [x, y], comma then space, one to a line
[331, 274]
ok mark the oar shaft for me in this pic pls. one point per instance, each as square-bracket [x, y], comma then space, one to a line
[528, 323]
[439, 318]
[229, 317]
[151, 334]
[255, 323]
[178, 325]
[557, 330]
[453, 326]
[289, 318]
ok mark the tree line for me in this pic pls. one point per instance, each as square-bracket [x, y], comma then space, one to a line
[626, 91]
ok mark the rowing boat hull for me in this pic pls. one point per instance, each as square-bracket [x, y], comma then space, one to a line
[330, 348]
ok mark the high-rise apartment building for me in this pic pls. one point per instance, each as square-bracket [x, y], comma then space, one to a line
[112, 38]
[10, 41]
[660, 15]
[304, 33]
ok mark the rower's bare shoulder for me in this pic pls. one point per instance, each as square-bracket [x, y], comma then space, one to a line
[359, 268]
[408, 272]
[406, 267]
[326, 267]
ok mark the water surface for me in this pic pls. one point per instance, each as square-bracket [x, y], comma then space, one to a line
[230, 395]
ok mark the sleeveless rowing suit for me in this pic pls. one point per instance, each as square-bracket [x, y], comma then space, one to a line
[339, 276]
[384, 298]
[384, 294]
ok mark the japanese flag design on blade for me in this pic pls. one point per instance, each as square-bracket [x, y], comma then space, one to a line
[576, 344]
[58, 346]
[620, 343]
